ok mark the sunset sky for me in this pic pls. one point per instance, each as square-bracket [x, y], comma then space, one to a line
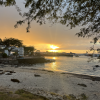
[41, 37]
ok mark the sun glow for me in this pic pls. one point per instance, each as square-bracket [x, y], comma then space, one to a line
[53, 47]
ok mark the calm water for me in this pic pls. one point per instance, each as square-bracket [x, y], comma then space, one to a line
[79, 65]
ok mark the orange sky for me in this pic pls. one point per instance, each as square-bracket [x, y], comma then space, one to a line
[41, 37]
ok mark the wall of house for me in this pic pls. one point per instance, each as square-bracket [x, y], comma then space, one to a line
[6, 51]
[21, 51]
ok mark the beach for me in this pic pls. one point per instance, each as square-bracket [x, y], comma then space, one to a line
[48, 83]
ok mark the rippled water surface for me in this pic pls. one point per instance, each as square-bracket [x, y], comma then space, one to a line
[79, 65]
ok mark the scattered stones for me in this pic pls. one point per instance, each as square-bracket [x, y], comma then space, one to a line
[97, 66]
[15, 80]
[50, 71]
[9, 74]
[36, 75]
[10, 71]
[63, 73]
[2, 73]
[43, 70]
[83, 85]
[16, 66]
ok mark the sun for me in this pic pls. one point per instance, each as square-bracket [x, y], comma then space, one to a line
[53, 47]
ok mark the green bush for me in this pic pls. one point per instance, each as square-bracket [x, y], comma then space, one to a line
[4, 55]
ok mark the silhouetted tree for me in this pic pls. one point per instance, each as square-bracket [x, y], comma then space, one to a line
[29, 50]
[11, 43]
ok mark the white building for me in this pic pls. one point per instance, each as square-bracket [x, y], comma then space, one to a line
[21, 51]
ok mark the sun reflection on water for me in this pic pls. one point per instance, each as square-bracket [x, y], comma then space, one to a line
[53, 66]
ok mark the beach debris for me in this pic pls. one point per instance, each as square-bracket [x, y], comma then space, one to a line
[15, 80]
[82, 85]
[63, 73]
[9, 74]
[44, 70]
[50, 71]
[1, 73]
[16, 66]
[96, 66]
[36, 75]
[10, 71]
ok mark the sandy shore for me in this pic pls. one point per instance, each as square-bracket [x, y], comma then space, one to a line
[47, 83]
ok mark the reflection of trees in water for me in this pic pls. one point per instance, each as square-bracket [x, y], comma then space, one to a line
[67, 12]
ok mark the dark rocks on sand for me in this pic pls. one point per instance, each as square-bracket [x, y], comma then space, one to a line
[9, 74]
[11, 71]
[97, 66]
[50, 71]
[36, 75]
[82, 85]
[15, 80]
[1, 73]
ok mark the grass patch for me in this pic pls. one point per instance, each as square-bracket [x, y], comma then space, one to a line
[29, 95]
[20, 95]
[72, 97]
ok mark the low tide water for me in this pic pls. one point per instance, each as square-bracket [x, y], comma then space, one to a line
[77, 65]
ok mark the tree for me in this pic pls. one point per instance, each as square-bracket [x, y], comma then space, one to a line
[29, 50]
[7, 2]
[76, 13]
[11, 43]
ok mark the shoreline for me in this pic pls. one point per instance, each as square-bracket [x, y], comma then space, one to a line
[45, 82]
[90, 77]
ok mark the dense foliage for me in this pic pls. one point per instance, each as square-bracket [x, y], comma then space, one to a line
[67, 12]
[29, 50]
[11, 43]
[4, 55]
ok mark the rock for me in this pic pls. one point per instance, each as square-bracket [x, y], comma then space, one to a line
[16, 66]
[1, 73]
[63, 73]
[36, 75]
[1, 70]
[82, 85]
[97, 66]
[11, 71]
[15, 80]
[9, 74]
[50, 71]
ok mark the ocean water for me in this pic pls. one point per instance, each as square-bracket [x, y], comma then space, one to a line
[77, 65]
